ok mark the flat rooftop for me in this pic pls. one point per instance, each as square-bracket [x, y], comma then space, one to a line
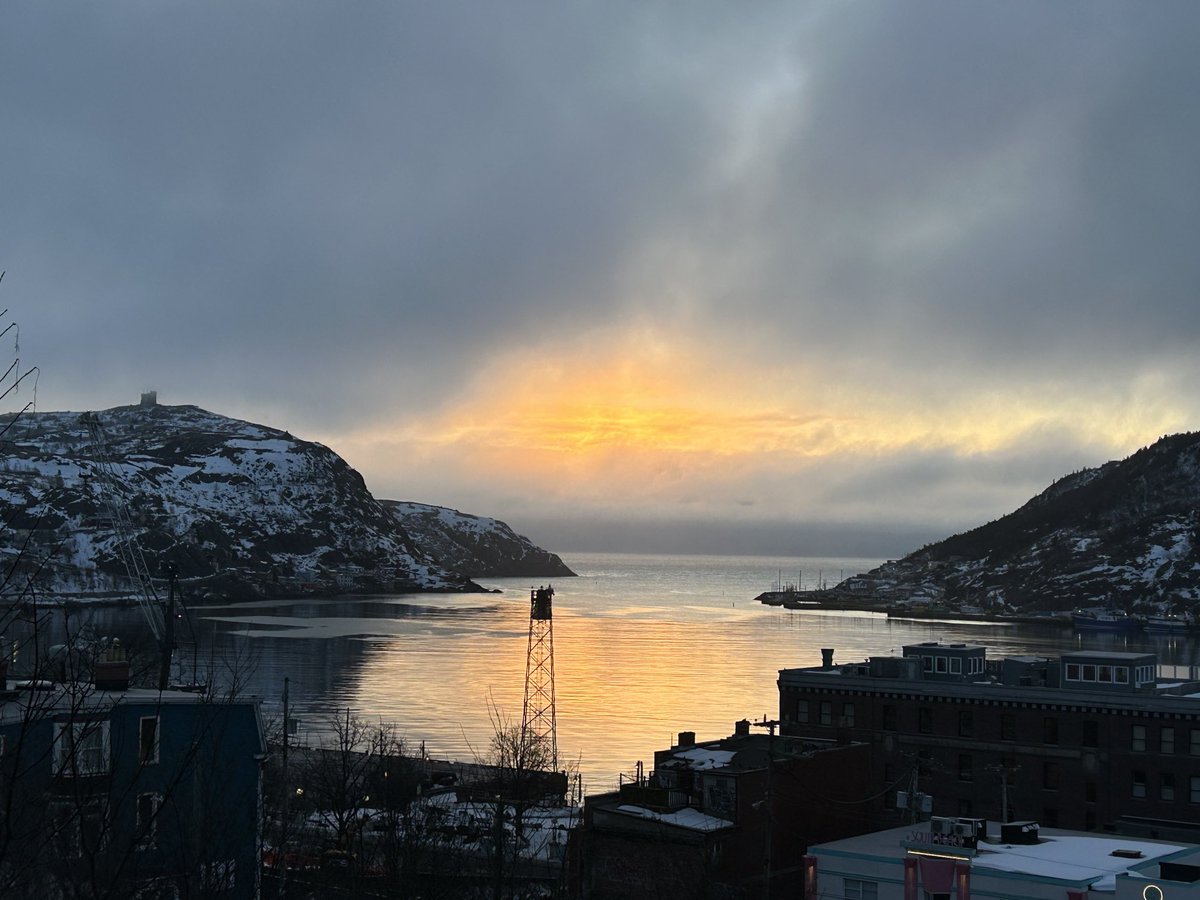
[1079, 856]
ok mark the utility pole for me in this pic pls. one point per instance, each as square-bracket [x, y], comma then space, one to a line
[284, 822]
[770, 725]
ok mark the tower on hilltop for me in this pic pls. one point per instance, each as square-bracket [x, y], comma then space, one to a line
[538, 718]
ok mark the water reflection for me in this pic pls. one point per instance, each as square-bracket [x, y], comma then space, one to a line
[644, 648]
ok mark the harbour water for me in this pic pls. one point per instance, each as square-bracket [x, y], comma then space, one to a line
[645, 647]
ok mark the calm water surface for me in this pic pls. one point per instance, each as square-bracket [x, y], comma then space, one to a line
[645, 647]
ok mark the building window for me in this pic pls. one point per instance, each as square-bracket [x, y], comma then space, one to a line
[924, 762]
[1050, 776]
[955, 666]
[1194, 788]
[1143, 675]
[889, 718]
[148, 740]
[847, 715]
[1139, 784]
[1194, 742]
[802, 712]
[1166, 786]
[1049, 730]
[1008, 727]
[81, 748]
[855, 889]
[858, 889]
[826, 712]
[927, 663]
[1138, 738]
[925, 720]
[1072, 671]
[77, 829]
[966, 723]
[1166, 740]
[940, 664]
[1091, 733]
[147, 819]
[218, 877]
[1104, 674]
[966, 769]
[1122, 674]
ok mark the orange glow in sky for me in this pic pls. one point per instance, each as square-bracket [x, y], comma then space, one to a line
[649, 419]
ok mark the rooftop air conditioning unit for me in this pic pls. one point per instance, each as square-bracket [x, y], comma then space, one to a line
[941, 825]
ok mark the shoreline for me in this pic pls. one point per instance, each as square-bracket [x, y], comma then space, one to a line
[821, 600]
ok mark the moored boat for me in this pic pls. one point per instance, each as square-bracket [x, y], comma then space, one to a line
[1105, 620]
[1167, 625]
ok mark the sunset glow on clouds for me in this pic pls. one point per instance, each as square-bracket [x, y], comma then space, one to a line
[657, 427]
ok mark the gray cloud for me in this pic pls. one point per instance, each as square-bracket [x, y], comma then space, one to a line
[322, 215]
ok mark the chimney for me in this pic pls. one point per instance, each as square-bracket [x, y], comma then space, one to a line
[687, 739]
[827, 658]
[112, 670]
[741, 727]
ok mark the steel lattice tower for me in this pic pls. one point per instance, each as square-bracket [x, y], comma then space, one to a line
[538, 719]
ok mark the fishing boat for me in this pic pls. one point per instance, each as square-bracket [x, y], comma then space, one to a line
[1105, 620]
[1167, 625]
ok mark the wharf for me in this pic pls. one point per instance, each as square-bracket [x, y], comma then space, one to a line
[847, 601]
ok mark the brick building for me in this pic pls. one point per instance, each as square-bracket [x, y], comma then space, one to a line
[1090, 740]
[713, 818]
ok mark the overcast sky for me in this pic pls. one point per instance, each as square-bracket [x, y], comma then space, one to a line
[805, 278]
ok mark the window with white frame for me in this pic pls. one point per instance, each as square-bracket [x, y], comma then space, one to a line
[148, 740]
[1139, 784]
[147, 819]
[1166, 740]
[1137, 740]
[81, 748]
[857, 889]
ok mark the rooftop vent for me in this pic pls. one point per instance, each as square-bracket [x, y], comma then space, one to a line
[1019, 833]
[1127, 854]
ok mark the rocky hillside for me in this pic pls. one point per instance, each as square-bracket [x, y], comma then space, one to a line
[1126, 534]
[239, 509]
[473, 546]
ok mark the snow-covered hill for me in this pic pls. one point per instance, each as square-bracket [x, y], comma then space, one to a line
[240, 509]
[1126, 534]
[474, 546]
